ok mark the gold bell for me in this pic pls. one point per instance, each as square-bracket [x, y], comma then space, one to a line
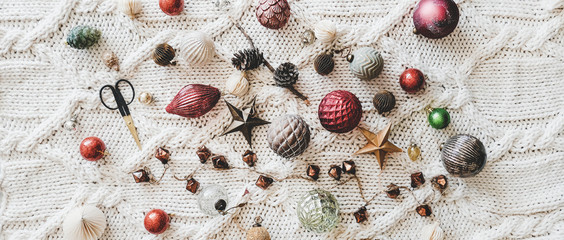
[146, 98]
[258, 232]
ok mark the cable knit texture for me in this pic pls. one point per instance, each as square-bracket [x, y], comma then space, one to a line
[499, 74]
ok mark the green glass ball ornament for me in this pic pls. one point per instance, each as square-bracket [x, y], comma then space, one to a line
[318, 211]
[81, 37]
[438, 118]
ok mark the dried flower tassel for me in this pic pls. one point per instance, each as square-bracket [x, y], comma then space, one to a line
[237, 84]
[130, 7]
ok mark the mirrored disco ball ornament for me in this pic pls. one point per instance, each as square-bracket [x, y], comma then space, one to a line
[463, 156]
[213, 199]
[318, 211]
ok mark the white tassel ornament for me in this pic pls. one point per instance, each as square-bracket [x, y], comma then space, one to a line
[197, 48]
[84, 223]
[325, 31]
[432, 232]
[237, 84]
[130, 7]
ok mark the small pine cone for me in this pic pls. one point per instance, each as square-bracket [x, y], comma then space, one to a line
[247, 59]
[286, 74]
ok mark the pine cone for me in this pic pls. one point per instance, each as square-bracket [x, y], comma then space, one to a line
[81, 37]
[247, 59]
[286, 74]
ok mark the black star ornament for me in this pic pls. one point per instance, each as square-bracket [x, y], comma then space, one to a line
[243, 121]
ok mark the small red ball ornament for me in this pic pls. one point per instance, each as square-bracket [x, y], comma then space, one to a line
[157, 221]
[435, 18]
[340, 111]
[171, 7]
[92, 148]
[412, 80]
[273, 14]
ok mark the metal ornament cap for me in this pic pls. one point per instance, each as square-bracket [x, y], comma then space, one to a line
[463, 156]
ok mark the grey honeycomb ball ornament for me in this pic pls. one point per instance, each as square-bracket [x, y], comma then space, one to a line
[289, 136]
[463, 156]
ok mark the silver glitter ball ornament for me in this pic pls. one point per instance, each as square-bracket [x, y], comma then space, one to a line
[463, 156]
[318, 211]
[366, 63]
[289, 136]
[308, 37]
[70, 124]
[213, 199]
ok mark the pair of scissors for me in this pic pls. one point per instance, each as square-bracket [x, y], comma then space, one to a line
[122, 107]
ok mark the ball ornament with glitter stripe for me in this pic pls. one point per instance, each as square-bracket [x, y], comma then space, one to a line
[340, 111]
[366, 63]
[463, 156]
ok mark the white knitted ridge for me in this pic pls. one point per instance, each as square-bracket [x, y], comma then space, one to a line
[500, 74]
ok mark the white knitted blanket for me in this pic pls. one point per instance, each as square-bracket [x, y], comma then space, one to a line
[500, 74]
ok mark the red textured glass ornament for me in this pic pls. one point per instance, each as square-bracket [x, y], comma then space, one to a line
[92, 148]
[194, 100]
[273, 14]
[340, 111]
[171, 7]
[412, 80]
[435, 18]
[157, 221]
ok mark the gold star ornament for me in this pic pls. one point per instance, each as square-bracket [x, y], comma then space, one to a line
[378, 144]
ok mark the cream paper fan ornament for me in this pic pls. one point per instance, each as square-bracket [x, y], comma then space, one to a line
[432, 232]
[325, 31]
[130, 7]
[84, 223]
[237, 84]
[197, 48]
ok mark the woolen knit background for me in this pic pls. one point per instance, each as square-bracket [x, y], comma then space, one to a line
[500, 74]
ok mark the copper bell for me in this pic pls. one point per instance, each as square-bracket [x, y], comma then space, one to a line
[250, 158]
[360, 215]
[417, 179]
[440, 182]
[220, 162]
[349, 167]
[335, 172]
[264, 182]
[192, 185]
[163, 155]
[393, 191]
[313, 171]
[424, 210]
[203, 153]
[141, 176]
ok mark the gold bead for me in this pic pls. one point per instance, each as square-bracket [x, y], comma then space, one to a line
[413, 151]
[145, 98]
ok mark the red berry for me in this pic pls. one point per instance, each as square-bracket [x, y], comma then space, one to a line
[92, 148]
[435, 18]
[412, 80]
[157, 221]
[340, 111]
[171, 7]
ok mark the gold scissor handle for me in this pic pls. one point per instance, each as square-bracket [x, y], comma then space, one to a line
[129, 122]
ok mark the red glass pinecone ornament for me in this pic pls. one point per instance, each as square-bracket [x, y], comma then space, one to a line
[194, 100]
[340, 111]
[273, 14]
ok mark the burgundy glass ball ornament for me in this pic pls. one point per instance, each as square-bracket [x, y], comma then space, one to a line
[412, 80]
[435, 18]
[273, 14]
[194, 100]
[92, 148]
[340, 111]
[171, 7]
[156, 221]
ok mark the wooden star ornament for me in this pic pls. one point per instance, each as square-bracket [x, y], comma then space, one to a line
[378, 144]
[243, 120]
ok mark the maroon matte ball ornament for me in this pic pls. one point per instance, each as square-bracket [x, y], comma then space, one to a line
[412, 80]
[171, 7]
[157, 221]
[273, 14]
[340, 111]
[92, 148]
[194, 100]
[435, 18]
